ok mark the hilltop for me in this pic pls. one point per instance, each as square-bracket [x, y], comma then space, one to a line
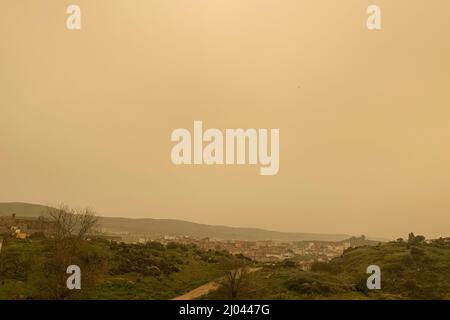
[159, 227]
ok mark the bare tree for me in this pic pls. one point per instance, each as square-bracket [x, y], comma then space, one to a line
[69, 228]
[236, 279]
[71, 223]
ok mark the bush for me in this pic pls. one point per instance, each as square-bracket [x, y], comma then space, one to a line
[324, 267]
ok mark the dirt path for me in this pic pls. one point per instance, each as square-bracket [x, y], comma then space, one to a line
[199, 291]
[205, 289]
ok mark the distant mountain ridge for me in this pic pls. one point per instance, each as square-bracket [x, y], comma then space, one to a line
[176, 227]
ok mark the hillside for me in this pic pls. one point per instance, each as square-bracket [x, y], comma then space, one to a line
[415, 270]
[110, 270]
[177, 227]
[197, 230]
[22, 209]
[419, 271]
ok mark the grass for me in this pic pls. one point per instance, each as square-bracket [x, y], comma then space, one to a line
[407, 272]
[154, 271]
[129, 271]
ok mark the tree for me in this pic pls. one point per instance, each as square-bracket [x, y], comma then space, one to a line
[71, 223]
[236, 279]
[69, 229]
[420, 239]
[412, 239]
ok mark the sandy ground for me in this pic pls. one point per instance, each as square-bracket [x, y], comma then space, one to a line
[199, 291]
[204, 289]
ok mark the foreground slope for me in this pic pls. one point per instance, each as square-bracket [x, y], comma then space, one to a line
[419, 271]
[155, 271]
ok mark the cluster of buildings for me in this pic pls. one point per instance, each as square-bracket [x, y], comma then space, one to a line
[23, 227]
[302, 253]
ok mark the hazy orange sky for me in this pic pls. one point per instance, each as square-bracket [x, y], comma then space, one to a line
[364, 116]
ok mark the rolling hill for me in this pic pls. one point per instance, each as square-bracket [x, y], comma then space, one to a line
[176, 227]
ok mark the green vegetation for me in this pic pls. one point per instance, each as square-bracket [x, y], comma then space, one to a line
[409, 270]
[109, 270]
